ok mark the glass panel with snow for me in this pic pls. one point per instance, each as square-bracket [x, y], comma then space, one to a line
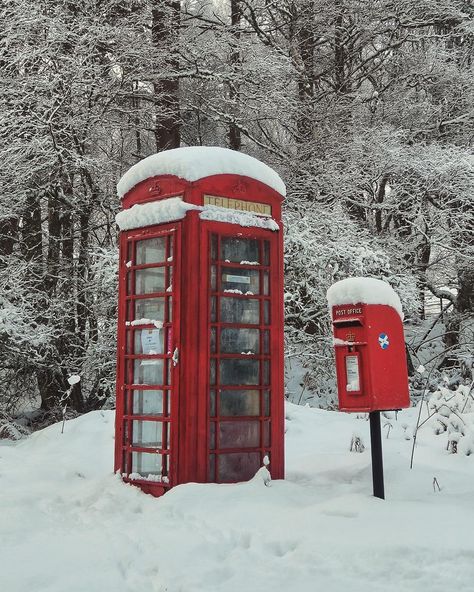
[147, 433]
[146, 463]
[150, 402]
[240, 250]
[150, 308]
[148, 372]
[240, 341]
[150, 280]
[240, 310]
[148, 342]
[239, 434]
[238, 371]
[234, 403]
[240, 281]
[152, 250]
[237, 466]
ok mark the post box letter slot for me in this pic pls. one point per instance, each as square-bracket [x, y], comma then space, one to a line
[348, 323]
[352, 374]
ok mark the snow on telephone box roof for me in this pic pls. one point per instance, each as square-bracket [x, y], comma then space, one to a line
[363, 290]
[196, 162]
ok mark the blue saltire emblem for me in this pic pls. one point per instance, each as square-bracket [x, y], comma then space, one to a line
[383, 340]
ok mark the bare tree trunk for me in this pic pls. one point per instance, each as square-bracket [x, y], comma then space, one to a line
[166, 17]
[235, 139]
[8, 235]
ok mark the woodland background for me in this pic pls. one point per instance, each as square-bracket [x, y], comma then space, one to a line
[365, 108]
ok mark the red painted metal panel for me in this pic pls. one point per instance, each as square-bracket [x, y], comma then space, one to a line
[370, 349]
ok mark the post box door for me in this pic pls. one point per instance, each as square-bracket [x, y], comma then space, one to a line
[240, 288]
[148, 326]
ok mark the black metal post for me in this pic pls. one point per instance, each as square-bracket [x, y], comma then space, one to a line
[376, 448]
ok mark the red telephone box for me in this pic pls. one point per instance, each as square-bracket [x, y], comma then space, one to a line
[200, 329]
[369, 343]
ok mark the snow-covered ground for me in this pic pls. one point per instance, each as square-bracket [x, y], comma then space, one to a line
[67, 524]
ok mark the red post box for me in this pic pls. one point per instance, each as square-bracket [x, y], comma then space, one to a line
[200, 328]
[369, 343]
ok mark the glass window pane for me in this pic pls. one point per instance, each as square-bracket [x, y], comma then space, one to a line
[147, 342]
[213, 309]
[212, 371]
[240, 310]
[213, 278]
[213, 247]
[238, 372]
[266, 253]
[212, 467]
[124, 463]
[240, 280]
[212, 403]
[266, 285]
[266, 342]
[213, 340]
[239, 434]
[240, 341]
[237, 466]
[148, 402]
[147, 463]
[266, 312]
[235, 403]
[239, 250]
[150, 280]
[266, 372]
[130, 251]
[212, 435]
[148, 372]
[266, 403]
[266, 433]
[126, 431]
[150, 308]
[152, 250]
[147, 433]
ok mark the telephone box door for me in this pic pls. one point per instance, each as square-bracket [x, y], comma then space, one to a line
[148, 378]
[242, 351]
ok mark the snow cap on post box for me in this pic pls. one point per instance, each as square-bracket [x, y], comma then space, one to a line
[367, 323]
[363, 290]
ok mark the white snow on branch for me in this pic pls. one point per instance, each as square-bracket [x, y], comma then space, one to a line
[363, 290]
[197, 162]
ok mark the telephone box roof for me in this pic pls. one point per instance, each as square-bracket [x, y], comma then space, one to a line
[196, 162]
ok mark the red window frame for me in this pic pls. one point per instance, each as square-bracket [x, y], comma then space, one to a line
[125, 417]
[269, 424]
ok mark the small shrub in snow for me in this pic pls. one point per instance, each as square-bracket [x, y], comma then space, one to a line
[357, 444]
[10, 429]
[453, 414]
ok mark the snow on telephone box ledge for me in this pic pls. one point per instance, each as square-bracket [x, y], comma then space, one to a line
[222, 184]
